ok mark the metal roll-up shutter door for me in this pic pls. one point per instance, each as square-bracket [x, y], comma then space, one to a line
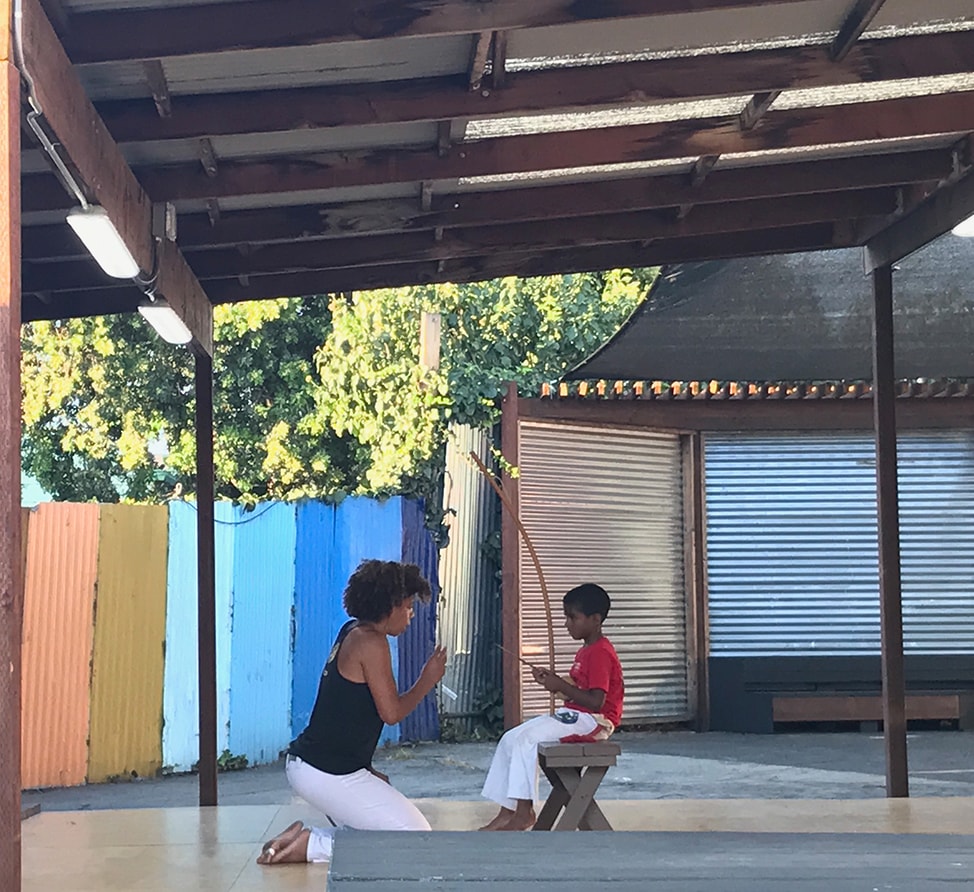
[606, 505]
[791, 543]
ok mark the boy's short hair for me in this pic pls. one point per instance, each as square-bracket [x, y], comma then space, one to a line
[589, 598]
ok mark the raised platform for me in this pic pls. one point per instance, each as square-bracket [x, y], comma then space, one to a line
[663, 862]
[214, 849]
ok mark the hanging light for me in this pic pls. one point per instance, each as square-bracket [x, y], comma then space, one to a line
[98, 234]
[965, 229]
[164, 320]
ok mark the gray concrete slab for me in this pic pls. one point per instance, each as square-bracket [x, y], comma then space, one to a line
[653, 765]
[568, 862]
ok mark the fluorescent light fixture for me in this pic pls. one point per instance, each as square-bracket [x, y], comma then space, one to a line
[99, 235]
[965, 229]
[167, 324]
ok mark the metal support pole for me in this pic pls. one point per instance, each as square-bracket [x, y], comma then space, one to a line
[206, 594]
[11, 584]
[887, 501]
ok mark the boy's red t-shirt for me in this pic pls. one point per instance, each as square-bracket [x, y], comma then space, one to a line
[597, 667]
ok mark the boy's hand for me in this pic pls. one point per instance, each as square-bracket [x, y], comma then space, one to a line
[547, 679]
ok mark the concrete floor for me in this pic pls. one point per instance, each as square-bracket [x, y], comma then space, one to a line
[654, 765]
[214, 849]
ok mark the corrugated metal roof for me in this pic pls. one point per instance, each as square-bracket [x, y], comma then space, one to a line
[59, 598]
[722, 30]
[269, 69]
[437, 63]
[298, 142]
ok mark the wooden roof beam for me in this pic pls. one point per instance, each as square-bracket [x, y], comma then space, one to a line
[931, 219]
[540, 203]
[852, 28]
[155, 77]
[187, 30]
[533, 92]
[815, 237]
[106, 174]
[856, 22]
[863, 121]
[533, 237]
[479, 59]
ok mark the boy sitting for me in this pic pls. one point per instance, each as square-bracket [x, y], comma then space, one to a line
[592, 711]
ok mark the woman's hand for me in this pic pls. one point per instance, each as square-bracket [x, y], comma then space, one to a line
[434, 669]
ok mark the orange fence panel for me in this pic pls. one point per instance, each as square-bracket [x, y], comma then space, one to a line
[59, 592]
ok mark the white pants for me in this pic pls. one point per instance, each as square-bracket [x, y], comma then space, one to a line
[359, 800]
[513, 771]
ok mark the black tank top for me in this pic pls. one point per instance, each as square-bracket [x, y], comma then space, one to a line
[344, 727]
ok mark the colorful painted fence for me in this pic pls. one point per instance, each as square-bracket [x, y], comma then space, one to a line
[110, 633]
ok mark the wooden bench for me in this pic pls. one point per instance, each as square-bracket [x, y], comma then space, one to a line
[575, 771]
[869, 708]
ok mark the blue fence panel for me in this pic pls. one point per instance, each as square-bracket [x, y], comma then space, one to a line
[331, 542]
[318, 613]
[368, 529]
[260, 662]
[180, 730]
[417, 642]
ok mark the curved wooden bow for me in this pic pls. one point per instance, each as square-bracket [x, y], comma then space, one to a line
[495, 484]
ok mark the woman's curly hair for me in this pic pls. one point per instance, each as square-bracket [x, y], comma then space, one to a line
[377, 587]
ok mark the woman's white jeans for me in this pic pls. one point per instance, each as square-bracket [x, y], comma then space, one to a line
[359, 800]
[513, 771]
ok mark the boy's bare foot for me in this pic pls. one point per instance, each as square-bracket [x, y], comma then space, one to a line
[498, 821]
[520, 820]
[293, 848]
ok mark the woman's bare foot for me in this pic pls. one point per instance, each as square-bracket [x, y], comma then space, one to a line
[290, 846]
[501, 818]
[284, 837]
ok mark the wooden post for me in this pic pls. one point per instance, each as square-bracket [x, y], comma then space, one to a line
[887, 501]
[11, 588]
[695, 569]
[206, 592]
[510, 575]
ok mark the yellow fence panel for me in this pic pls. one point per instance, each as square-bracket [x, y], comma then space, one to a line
[59, 594]
[130, 633]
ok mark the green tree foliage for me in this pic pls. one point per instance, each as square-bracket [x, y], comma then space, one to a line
[523, 330]
[314, 397]
[103, 394]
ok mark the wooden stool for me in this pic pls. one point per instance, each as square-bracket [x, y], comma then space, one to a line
[575, 771]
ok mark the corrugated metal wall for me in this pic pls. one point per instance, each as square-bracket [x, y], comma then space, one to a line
[418, 641]
[59, 597]
[331, 542]
[470, 598]
[130, 632]
[605, 505]
[791, 543]
[260, 660]
[180, 732]
[129, 679]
